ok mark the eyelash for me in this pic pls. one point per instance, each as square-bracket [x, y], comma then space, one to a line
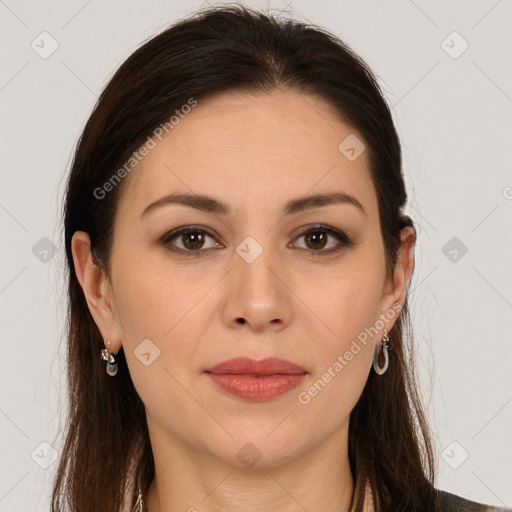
[344, 240]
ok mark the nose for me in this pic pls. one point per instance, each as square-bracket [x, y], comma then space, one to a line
[258, 293]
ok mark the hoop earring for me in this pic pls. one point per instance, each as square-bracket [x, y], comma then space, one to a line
[111, 360]
[386, 346]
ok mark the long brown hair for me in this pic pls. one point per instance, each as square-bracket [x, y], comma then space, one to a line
[227, 48]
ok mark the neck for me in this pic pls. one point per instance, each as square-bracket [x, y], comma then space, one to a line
[316, 480]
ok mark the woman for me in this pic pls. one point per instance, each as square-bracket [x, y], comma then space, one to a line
[239, 260]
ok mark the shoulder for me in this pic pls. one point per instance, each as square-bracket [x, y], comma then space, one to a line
[452, 503]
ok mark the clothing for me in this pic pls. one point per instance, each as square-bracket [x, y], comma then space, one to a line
[453, 503]
[448, 502]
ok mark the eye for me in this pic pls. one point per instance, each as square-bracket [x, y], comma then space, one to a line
[191, 238]
[317, 238]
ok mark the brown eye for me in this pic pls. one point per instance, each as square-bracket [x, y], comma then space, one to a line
[189, 240]
[316, 239]
[192, 240]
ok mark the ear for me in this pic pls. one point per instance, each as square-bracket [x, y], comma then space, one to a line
[396, 287]
[97, 290]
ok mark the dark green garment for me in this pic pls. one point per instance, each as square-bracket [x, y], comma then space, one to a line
[453, 503]
[446, 502]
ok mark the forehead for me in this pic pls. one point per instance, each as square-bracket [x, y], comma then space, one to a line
[253, 149]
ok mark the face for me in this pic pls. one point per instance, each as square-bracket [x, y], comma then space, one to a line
[266, 275]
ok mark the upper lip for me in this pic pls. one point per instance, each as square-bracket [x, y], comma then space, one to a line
[268, 366]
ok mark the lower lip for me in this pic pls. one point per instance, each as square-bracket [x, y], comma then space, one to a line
[258, 388]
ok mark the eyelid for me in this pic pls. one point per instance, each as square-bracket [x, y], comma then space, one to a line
[325, 227]
[185, 229]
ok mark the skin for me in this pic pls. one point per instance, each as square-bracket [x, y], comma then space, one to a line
[254, 152]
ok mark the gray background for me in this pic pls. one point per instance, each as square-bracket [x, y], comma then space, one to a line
[453, 113]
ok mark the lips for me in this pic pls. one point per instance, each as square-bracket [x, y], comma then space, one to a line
[247, 366]
[257, 381]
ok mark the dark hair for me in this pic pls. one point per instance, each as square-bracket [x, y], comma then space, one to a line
[228, 48]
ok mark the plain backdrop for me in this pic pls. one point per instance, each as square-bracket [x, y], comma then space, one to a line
[445, 69]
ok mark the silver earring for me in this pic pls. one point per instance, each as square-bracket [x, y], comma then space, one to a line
[385, 347]
[111, 360]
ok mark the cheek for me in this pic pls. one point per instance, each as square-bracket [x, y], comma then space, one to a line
[170, 310]
[162, 319]
[346, 353]
[347, 304]
[151, 301]
[342, 359]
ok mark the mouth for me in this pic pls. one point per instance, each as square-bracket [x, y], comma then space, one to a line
[251, 367]
[257, 380]
[257, 388]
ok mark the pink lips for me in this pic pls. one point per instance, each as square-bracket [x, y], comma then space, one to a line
[257, 380]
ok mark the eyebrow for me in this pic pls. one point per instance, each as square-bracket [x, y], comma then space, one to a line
[211, 205]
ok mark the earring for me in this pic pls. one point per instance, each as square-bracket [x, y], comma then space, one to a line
[385, 347]
[111, 360]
